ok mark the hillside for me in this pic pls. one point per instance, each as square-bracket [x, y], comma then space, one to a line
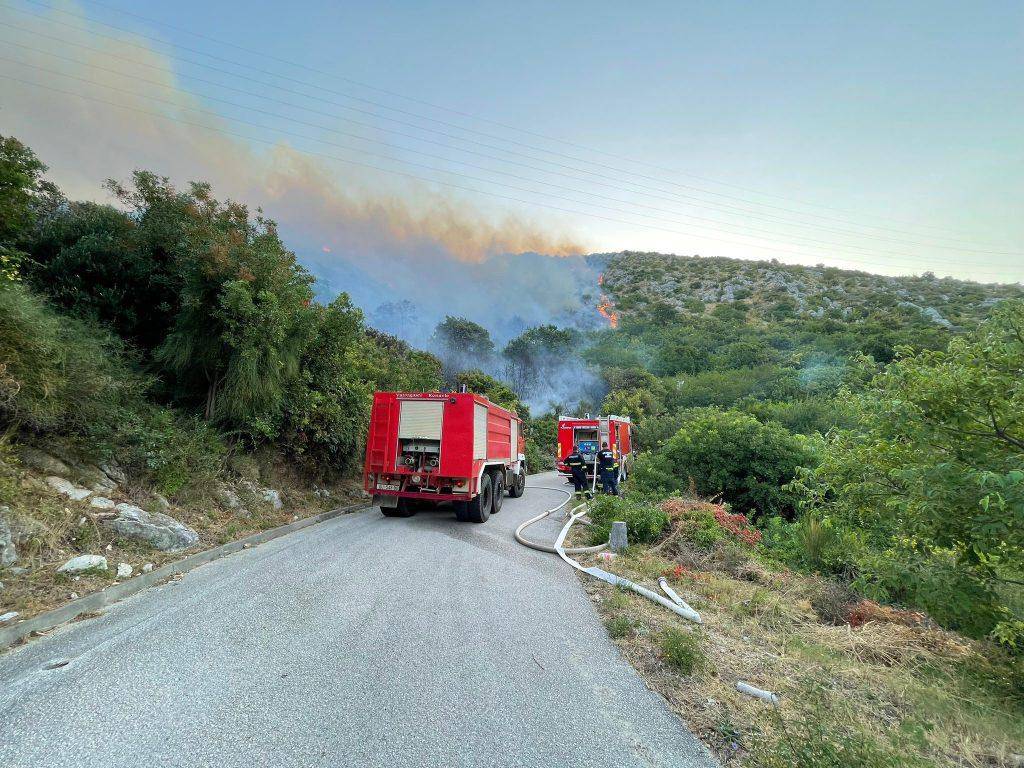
[639, 283]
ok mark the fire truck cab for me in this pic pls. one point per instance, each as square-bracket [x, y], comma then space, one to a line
[588, 433]
[428, 448]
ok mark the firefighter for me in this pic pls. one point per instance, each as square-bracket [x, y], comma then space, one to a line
[608, 466]
[578, 467]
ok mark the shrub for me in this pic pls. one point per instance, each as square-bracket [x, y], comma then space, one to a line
[619, 627]
[732, 454]
[60, 374]
[683, 650]
[645, 522]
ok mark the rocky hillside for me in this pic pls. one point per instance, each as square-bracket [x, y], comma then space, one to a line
[640, 283]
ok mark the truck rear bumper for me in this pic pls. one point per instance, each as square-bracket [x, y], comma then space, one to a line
[421, 496]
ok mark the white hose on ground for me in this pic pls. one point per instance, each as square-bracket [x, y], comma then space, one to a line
[546, 547]
[759, 693]
[611, 578]
[663, 582]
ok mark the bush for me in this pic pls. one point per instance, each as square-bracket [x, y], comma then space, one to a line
[59, 374]
[645, 522]
[619, 627]
[731, 454]
[683, 650]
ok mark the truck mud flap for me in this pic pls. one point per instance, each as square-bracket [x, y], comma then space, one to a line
[385, 502]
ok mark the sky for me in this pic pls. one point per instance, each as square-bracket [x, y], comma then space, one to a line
[389, 138]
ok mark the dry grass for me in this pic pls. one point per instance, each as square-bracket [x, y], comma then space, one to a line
[880, 694]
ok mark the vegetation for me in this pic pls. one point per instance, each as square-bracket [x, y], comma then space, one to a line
[179, 310]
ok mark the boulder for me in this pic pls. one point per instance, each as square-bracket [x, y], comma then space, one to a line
[93, 477]
[84, 563]
[42, 461]
[155, 528]
[273, 497]
[67, 488]
[8, 552]
[113, 470]
[124, 570]
[101, 502]
[9, 616]
[227, 496]
[161, 503]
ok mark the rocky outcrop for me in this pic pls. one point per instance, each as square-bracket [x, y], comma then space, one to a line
[84, 563]
[155, 528]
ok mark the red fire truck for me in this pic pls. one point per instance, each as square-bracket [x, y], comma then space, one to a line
[427, 448]
[588, 433]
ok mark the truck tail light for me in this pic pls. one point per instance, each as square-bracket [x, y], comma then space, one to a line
[461, 485]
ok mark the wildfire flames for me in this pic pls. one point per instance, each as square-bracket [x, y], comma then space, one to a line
[606, 308]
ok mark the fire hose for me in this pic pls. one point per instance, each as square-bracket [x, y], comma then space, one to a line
[681, 609]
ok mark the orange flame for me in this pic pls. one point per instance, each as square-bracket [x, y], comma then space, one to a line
[606, 308]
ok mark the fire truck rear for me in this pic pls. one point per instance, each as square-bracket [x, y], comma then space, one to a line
[428, 448]
[589, 433]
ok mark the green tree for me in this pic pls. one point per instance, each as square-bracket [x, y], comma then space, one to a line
[125, 269]
[22, 190]
[732, 454]
[536, 354]
[462, 344]
[238, 337]
[934, 473]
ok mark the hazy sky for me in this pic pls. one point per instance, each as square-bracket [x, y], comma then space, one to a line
[883, 136]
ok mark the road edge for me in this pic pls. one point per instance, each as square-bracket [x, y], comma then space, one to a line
[117, 592]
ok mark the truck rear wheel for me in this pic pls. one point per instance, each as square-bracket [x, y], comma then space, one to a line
[518, 484]
[479, 509]
[498, 482]
[405, 508]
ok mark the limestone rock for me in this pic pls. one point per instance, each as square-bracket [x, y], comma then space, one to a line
[124, 570]
[8, 552]
[273, 497]
[155, 528]
[227, 496]
[113, 470]
[84, 563]
[67, 488]
[101, 502]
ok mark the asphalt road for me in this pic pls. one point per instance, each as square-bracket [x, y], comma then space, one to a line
[363, 641]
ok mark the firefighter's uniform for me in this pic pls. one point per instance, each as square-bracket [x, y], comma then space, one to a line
[578, 467]
[608, 466]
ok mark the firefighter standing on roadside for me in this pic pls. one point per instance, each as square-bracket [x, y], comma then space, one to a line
[578, 467]
[608, 466]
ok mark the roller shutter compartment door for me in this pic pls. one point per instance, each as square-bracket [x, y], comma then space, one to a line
[479, 431]
[421, 420]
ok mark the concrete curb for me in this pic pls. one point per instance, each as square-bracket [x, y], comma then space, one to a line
[112, 594]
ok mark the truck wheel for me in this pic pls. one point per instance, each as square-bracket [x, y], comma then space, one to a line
[498, 483]
[518, 484]
[479, 509]
[405, 508]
